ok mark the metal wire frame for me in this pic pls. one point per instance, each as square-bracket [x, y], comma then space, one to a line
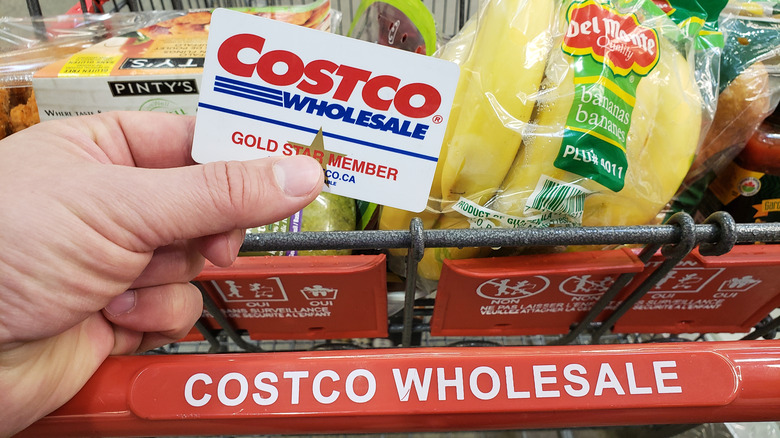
[450, 15]
[497, 237]
[676, 239]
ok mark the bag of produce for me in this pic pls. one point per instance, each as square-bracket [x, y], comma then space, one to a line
[403, 24]
[748, 92]
[328, 212]
[748, 188]
[567, 113]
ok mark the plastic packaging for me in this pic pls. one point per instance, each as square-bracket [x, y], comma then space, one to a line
[27, 44]
[749, 187]
[328, 212]
[157, 68]
[749, 88]
[563, 116]
[754, 8]
[404, 24]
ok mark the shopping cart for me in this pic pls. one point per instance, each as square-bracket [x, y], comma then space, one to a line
[409, 378]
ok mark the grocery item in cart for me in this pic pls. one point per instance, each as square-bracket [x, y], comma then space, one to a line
[456, 50]
[742, 105]
[157, 68]
[404, 24]
[29, 44]
[749, 81]
[328, 212]
[749, 84]
[749, 187]
[567, 109]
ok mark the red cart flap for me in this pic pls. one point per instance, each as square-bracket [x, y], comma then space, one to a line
[728, 293]
[303, 297]
[530, 294]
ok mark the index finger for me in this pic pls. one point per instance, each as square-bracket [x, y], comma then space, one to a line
[144, 139]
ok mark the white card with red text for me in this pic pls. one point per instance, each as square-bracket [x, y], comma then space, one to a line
[269, 87]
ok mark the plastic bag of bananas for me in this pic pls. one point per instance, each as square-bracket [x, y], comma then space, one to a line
[567, 113]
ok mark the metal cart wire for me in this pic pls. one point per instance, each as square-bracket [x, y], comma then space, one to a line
[412, 379]
[449, 14]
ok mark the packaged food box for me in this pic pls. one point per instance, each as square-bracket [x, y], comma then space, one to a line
[28, 44]
[156, 68]
[749, 187]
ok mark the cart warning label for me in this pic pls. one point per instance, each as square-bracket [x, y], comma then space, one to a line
[336, 382]
[266, 298]
[729, 293]
[302, 297]
[540, 294]
[508, 294]
[380, 113]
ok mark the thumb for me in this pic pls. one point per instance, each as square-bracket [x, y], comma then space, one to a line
[213, 198]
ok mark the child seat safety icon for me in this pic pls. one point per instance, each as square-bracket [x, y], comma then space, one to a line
[318, 292]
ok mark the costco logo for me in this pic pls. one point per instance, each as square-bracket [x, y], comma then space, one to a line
[320, 77]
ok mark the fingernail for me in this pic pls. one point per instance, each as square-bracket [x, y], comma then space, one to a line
[122, 304]
[234, 241]
[297, 175]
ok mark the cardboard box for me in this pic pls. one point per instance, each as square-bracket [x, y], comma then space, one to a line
[157, 68]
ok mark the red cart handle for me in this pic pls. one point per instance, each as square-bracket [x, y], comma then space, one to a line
[426, 389]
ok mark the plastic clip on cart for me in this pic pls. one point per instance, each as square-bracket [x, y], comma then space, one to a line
[418, 371]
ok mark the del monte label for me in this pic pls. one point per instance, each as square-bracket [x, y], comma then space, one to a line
[611, 38]
[610, 54]
[665, 6]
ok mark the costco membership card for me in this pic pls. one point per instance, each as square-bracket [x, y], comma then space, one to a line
[373, 116]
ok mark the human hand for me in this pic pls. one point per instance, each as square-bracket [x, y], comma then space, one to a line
[104, 221]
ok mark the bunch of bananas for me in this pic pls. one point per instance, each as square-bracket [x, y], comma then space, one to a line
[512, 106]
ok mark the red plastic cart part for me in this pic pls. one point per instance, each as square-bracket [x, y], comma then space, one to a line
[425, 389]
[93, 6]
[727, 293]
[303, 297]
[546, 294]
[525, 295]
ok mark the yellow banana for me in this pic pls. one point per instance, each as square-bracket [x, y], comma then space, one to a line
[508, 52]
[500, 80]
[456, 50]
[495, 149]
[658, 162]
[662, 140]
